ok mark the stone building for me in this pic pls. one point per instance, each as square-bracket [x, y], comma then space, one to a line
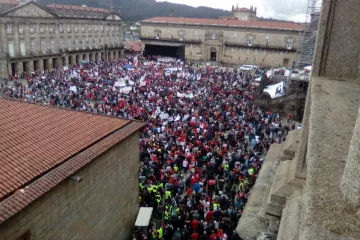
[64, 173]
[309, 186]
[36, 37]
[227, 41]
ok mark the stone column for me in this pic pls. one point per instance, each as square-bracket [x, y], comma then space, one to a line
[49, 64]
[19, 68]
[9, 68]
[3, 69]
[30, 66]
[350, 184]
[40, 65]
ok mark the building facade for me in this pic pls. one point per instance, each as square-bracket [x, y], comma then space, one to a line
[35, 37]
[226, 41]
[72, 176]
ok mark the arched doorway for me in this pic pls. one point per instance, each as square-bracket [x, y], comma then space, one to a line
[63, 61]
[84, 57]
[213, 54]
[70, 59]
[119, 54]
[114, 55]
[91, 57]
[96, 56]
[77, 58]
[102, 56]
[109, 56]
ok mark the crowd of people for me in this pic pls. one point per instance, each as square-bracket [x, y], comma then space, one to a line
[201, 149]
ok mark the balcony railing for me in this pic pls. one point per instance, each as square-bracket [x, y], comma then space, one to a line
[9, 31]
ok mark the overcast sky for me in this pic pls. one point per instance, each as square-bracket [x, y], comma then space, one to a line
[293, 10]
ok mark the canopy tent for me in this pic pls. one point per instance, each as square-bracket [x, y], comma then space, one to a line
[143, 217]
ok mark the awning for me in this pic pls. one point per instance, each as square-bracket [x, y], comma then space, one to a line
[143, 218]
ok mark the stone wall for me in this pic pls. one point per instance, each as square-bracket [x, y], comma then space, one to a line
[104, 205]
[269, 47]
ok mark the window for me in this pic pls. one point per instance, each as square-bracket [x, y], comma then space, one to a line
[32, 45]
[11, 48]
[9, 27]
[107, 29]
[234, 35]
[213, 36]
[69, 43]
[32, 28]
[76, 28]
[90, 28]
[264, 52]
[102, 28]
[281, 53]
[22, 47]
[60, 27]
[90, 44]
[76, 43]
[82, 29]
[157, 35]
[83, 43]
[248, 51]
[267, 37]
[51, 27]
[42, 27]
[112, 28]
[290, 44]
[21, 28]
[232, 50]
[43, 44]
[195, 32]
[245, 18]
[96, 28]
[256, 51]
[52, 44]
[69, 28]
[250, 41]
[61, 43]
[181, 36]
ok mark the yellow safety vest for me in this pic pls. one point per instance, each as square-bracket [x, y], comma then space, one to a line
[215, 205]
[160, 233]
[168, 194]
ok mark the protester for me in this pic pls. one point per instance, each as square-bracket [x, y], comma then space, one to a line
[202, 147]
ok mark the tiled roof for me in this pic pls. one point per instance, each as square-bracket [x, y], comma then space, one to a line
[230, 23]
[36, 141]
[133, 45]
[91, 9]
[242, 10]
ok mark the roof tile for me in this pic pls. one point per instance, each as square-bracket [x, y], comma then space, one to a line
[233, 23]
[35, 139]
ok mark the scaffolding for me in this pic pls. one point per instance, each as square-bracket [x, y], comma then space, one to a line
[310, 32]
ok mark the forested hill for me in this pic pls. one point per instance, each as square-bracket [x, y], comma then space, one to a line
[136, 10]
